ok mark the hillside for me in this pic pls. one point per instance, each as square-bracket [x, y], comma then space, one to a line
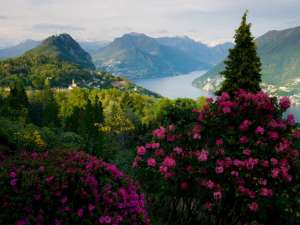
[280, 56]
[139, 56]
[65, 48]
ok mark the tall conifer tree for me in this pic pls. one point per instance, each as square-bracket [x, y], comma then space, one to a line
[243, 66]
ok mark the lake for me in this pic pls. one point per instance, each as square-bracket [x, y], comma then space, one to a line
[175, 86]
[181, 87]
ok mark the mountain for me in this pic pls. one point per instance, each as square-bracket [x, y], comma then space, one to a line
[139, 56]
[61, 60]
[93, 46]
[65, 48]
[19, 49]
[280, 56]
[198, 50]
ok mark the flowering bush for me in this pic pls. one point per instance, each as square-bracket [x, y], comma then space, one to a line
[238, 161]
[65, 188]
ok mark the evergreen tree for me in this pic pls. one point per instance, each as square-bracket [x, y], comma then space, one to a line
[50, 107]
[17, 98]
[243, 66]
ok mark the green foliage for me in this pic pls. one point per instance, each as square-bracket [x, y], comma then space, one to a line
[243, 66]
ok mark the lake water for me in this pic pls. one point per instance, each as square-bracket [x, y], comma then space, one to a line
[181, 87]
[175, 86]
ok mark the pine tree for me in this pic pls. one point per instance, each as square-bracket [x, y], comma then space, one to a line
[50, 107]
[17, 98]
[243, 66]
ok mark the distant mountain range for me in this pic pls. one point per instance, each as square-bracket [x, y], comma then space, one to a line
[61, 59]
[280, 55]
[21, 48]
[137, 56]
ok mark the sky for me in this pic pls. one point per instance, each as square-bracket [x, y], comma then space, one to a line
[209, 21]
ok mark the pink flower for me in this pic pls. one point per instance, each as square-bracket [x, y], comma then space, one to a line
[217, 195]
[151, 162]
[160, 133]
[141, 150]
[13, 174]
[274, 161]
[178, 150]
[169, 162]
[91, 208]
[80, 212]
[219, 141]
[202, 155]
[284, 103]
[259, 130]
[265, 192]
[208, 206]
[243, 140]
[13, 182]
[275, 172]
[219, 169]
[253, 206]
[226, 109]
[49, 179]
[105, 220]
[234, 173]
[291, 120]
[245, 125]
[247, 152]
[210, 184]
[273, 135]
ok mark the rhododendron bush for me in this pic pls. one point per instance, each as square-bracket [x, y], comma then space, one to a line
[238, 162]
[63, 188]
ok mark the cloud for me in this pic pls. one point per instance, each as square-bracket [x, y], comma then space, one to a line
[46, 27]
[3, 17]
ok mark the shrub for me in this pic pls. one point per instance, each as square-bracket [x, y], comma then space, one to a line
[236, 163]
[67, 188]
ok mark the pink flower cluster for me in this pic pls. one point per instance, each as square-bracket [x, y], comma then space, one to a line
[67, 187]
[247, 150]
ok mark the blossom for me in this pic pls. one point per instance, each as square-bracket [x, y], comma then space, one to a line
[151, 162]
[210, 184]
[273, 135]
[105, 220]
[208, 205]
[226, 109]
[141, 150]
[13, 174]
[275, 172]
[178, 150]
[244, 126]
[259, 130]
[284, 103]
[160, 133]
[219, 169]
[217, 195]
[243, 140]
[13, 182]
[80, 212]
[202, 155]
[265, 192]
[247, 152]
[169, 162]
[219, 141]
[291, 120]
[253, 206]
